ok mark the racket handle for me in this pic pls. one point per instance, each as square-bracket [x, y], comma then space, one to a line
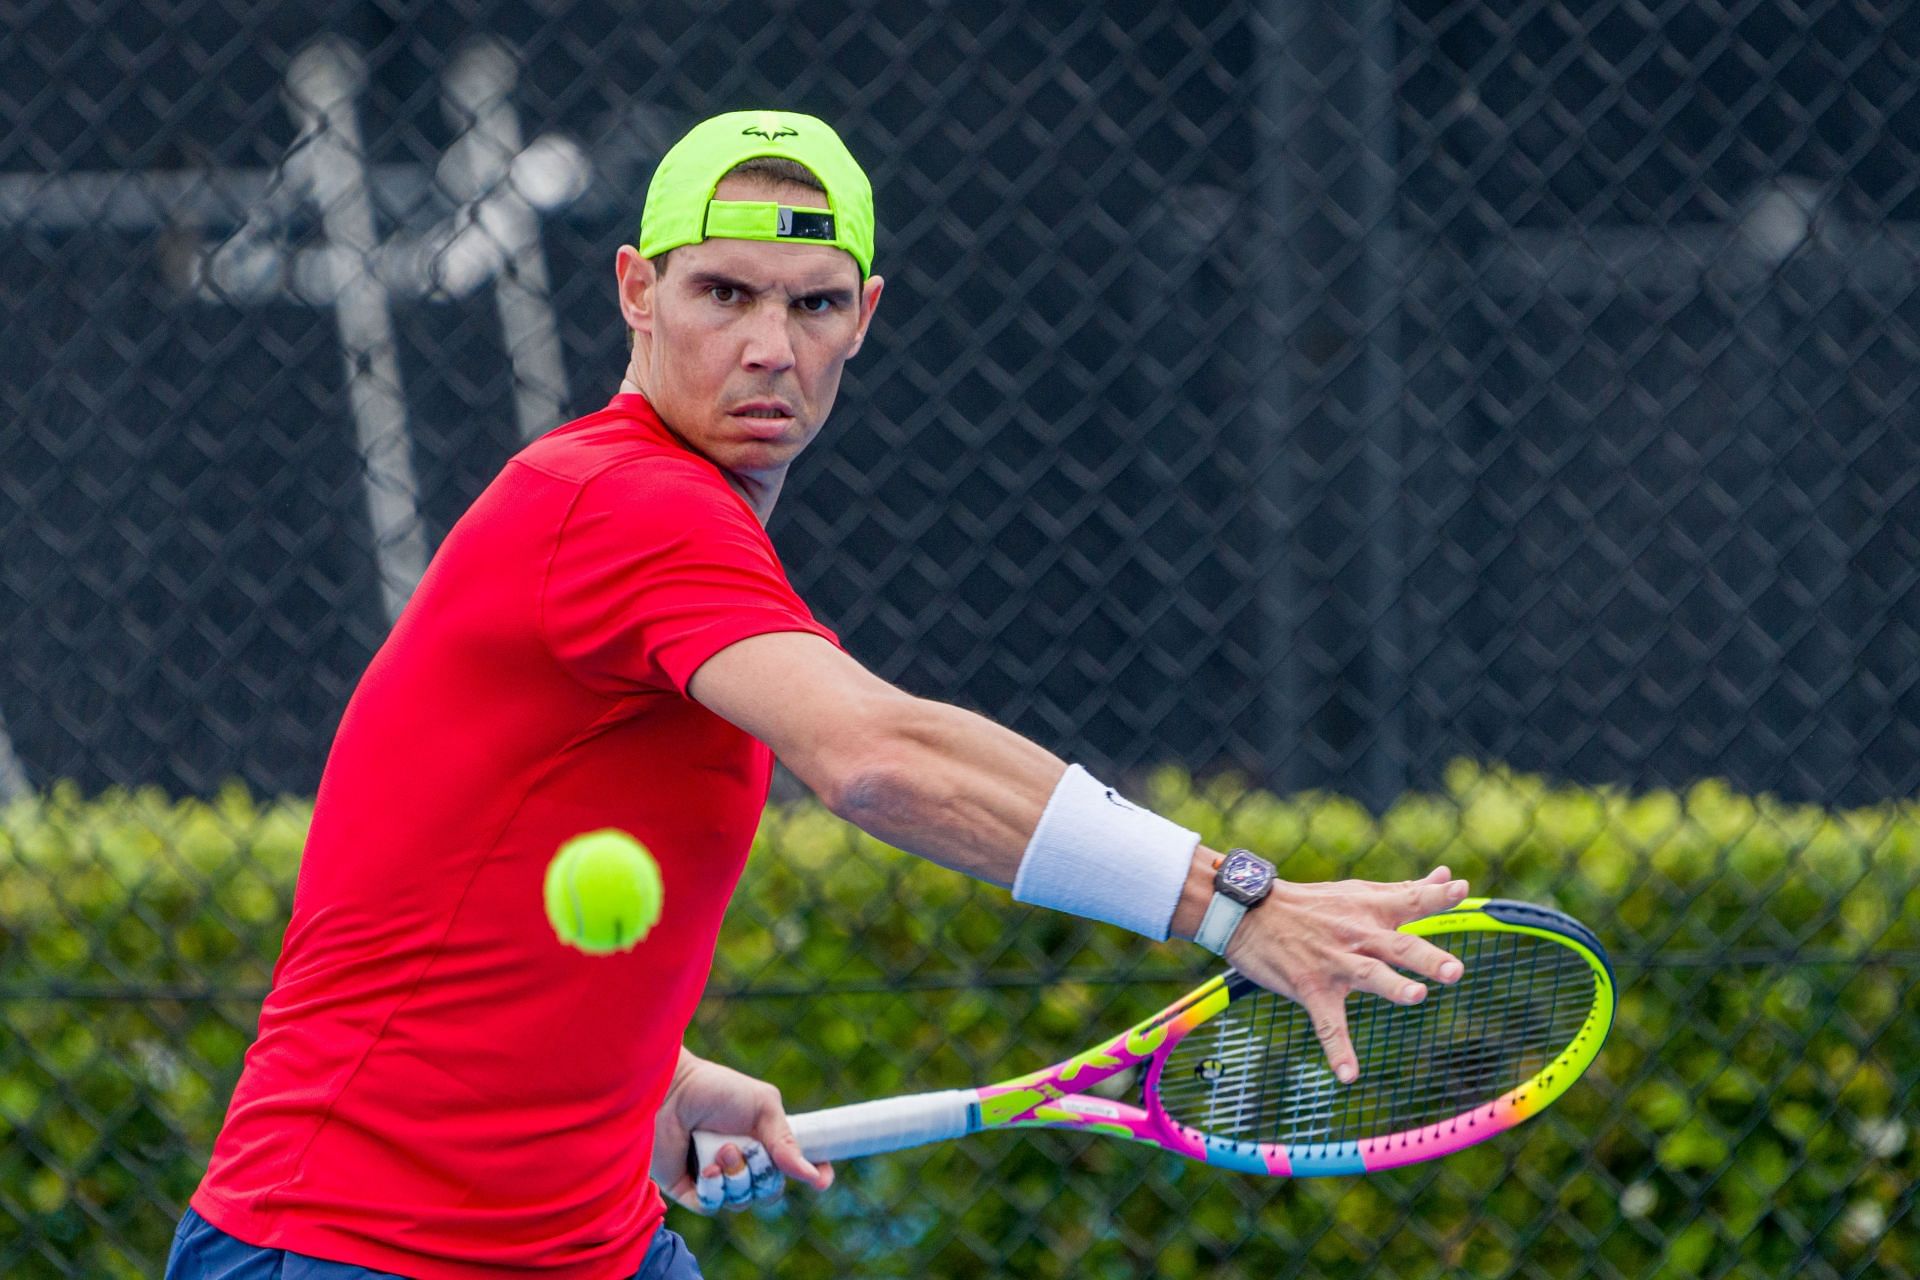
[865, 1128]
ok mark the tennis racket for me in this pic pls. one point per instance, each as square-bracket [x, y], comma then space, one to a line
[1234, 1076]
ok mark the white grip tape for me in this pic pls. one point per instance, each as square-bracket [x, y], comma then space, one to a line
[866, 1128]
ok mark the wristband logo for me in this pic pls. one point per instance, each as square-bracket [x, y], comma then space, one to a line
[1114, 797]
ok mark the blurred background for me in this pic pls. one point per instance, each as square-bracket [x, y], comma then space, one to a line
[1378, 432]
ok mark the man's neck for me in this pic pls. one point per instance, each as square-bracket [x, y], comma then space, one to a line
[758, 495]
[758, 492]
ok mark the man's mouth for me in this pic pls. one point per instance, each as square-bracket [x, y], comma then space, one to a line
[763, 409]
[763, 419]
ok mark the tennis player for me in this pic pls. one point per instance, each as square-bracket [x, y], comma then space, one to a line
[439, 1088]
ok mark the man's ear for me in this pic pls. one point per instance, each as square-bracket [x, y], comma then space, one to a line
[869, 302]
[637, 286]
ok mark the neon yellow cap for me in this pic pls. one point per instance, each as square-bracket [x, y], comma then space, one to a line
[680, 205]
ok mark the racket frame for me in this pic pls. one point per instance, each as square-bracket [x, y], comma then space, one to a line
[1056, 1097]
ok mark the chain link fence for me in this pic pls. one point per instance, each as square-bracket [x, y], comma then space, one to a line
[1347, 398]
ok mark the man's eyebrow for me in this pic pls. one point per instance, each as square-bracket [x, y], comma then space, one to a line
[715, 280]
[838, 294]
[701, 281]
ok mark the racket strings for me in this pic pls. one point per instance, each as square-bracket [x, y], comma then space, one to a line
[1255, 1072]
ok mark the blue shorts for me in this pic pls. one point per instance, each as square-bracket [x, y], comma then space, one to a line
[202, 1251]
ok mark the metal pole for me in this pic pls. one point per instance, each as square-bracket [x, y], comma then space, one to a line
[1280, 25]
[1333, 481]
[1379, 398]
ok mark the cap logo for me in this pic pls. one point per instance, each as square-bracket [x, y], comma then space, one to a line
[803, 224]
[769, 128]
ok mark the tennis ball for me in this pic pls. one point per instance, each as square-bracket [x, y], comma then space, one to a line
[603, 892]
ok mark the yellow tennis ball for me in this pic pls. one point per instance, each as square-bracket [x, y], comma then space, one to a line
[603, 892]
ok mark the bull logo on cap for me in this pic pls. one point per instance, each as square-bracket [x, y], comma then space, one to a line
[770, 128]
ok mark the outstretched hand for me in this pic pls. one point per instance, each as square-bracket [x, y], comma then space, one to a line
[705, 1095]
[1317, 943]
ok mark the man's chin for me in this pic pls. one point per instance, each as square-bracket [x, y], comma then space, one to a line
[758, 457]
[785, 441]
[754, 430]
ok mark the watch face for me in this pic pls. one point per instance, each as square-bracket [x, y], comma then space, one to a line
[1244, 877]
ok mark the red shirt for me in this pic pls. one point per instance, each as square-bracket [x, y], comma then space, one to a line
[439, 1087]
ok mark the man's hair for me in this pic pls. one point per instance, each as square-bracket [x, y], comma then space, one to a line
[768, 171]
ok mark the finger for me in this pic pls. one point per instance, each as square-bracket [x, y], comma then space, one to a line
[710, 1190]
[768, 1183]
[791, 1160]
[714, 1189]
[1429, 896]
[1417, 955]
[1329, 1014]
[1386, 982]
[736, 1178]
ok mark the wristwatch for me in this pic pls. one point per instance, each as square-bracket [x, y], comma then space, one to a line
[1242, 880]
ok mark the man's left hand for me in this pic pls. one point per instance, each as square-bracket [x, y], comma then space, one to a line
[706, 1095]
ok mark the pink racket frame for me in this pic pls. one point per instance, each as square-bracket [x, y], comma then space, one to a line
[1055, 1098]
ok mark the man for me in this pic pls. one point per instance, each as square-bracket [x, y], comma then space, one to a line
[439, 1089]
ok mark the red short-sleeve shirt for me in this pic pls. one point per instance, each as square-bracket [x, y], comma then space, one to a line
[439, 1087]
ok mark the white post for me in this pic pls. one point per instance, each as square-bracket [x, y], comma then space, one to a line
[329, 166]
[13, 775]
[480, 169]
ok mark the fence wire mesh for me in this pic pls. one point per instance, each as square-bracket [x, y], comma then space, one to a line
[1386, 406]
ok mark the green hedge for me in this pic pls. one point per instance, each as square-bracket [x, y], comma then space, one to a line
[1752, 1114]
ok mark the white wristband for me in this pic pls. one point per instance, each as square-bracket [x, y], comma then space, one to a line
[1098, 855]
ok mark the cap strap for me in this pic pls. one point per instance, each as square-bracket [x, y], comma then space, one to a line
[764, 220]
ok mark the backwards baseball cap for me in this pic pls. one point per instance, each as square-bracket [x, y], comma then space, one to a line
[681, 208]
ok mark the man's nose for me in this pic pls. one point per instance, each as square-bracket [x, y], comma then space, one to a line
[769, 344]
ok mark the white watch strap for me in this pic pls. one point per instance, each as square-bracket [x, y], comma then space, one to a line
[1217, 926]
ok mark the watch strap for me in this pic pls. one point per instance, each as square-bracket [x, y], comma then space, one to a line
[1218, 924]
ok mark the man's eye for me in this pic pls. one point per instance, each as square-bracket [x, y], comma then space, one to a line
[724, 293]
[817, 305]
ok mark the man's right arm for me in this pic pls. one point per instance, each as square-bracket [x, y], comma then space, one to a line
[956, 788]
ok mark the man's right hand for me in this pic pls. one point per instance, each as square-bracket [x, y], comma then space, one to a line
[1317, 943]
[706, 1095]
